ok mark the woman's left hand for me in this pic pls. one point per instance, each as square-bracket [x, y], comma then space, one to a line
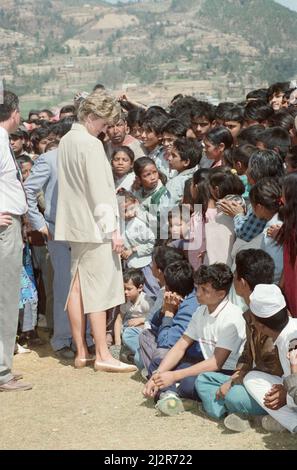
[117, 242]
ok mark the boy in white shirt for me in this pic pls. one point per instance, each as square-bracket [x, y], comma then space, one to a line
[219, 328]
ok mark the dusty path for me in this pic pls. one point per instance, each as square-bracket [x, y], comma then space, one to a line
[81, 409]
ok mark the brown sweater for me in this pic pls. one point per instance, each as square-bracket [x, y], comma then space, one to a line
[259, 353]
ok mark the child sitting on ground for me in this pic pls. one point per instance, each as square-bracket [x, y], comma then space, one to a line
[163, 256]
[169, 323]
[134, 312]
[217, 326]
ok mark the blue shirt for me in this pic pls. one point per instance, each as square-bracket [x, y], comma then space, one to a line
[169, 330]
[248, 226]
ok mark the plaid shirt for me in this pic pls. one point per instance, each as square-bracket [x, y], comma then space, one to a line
[248, 226]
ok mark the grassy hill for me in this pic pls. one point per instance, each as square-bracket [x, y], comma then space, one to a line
[52, 47]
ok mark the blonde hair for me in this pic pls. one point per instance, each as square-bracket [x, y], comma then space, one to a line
[100, 104]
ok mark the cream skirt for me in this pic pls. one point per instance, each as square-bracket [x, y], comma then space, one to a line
[100, 275]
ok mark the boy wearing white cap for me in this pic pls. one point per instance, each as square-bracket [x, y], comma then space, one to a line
[270, 316]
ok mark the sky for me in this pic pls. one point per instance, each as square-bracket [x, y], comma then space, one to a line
[292, 4]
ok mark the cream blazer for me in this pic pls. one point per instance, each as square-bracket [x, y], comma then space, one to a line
[87, 209]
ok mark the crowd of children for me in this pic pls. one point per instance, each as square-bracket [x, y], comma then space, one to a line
[207, 199]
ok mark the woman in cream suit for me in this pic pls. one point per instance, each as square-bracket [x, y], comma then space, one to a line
[87, 217]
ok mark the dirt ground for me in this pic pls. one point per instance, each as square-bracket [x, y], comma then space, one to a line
[83, 409]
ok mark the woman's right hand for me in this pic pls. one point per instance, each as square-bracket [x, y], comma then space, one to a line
[5, 219]
[117, 242]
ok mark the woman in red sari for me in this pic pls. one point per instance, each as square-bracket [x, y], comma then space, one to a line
[288, 237]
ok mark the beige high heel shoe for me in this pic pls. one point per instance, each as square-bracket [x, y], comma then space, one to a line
[120, 367]
[80, 362]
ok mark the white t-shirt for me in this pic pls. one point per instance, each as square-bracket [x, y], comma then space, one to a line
[282, 344]
[223, 328]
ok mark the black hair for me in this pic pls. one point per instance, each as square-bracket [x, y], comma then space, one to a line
[128, 195]
[179, 277]
[31, 112]
[226, 181]
[134, 275]
[187, 196]
[242, 154]
[24, 159]
[258, 110]
[250, 135]
[259, 94]
[141, 163]
[176, 97]
[219, 275]
[282, 119]
[255, 267]
[219, 135]
[37, 135]
[267, 192]
[135, 116]
[221, 110]
[292, 110]
[292, 157]
[288, 231]
[42, 123]
[165, 255]
[9, 104]
[279, 87]
[125, 149]
[181, 109]
[277, 322]
[48, 112]
[203, 109]
[68, 108]
[66, 124]
[201, 180]
[234, 114]
[155, 122]
[188, 149]
[99, 86]
[265, 163]
[175, 127]
[63, 126]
